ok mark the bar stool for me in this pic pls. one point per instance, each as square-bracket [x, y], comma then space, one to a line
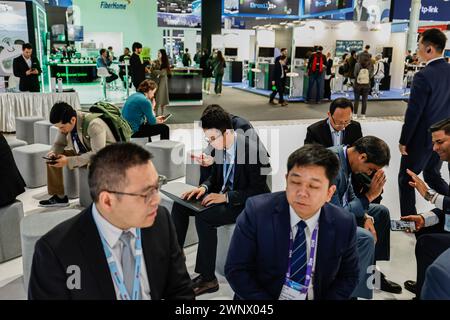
[103, 73]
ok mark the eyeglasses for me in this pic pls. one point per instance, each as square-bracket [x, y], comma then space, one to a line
[212, 139]
[148, 196]
[343, 125]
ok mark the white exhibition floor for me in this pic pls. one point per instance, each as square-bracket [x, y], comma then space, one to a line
[281, 138]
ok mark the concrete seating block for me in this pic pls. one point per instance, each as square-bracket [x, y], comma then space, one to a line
[71, 182]
[53, 132]
[25, 128]
[83, 192]
[31, 165]
[139, 141]
[10, 217]
[42, 131]
[32, 228]
[192, 168]
[191, 236]
[224, 234]
[14, 143]
[168, 158]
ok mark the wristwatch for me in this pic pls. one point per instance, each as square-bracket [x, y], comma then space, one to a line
[429, 194]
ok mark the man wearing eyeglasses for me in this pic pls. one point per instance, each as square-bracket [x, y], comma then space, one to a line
[122, 247]
[238, 173]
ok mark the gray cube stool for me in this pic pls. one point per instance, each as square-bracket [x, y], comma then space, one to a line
[139, 141]
[25, 128]
[191, 235]
[84, 194]
[14, 143]
[31, 165]
[53, 132]
[192, 168]
[10, 217]
[168, 158]
[32, 228]
[42, 131]
[71, 182]
[224, 234]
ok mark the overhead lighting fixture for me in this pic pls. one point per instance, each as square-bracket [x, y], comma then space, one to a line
[283, 23]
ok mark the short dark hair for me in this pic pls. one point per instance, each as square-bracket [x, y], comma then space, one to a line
[26, 46]
[282, 49]
[107, 170]
[441, 125]
[341, 103]
[377, 150]
[136, 45]
[353, 52]
[110, 47]
[435, 38]
[319, 48]
[62, 112]
[367, 47]
[102, 51]
[317, 155]
[216, 118]
[186, 49]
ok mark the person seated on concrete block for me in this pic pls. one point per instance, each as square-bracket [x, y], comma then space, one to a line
[12, 183]
[239, 124]
[123, 247]
[138, 111]
[81, 145]
[238, 173]
[277, 234]
[433, 227]
[367, 155]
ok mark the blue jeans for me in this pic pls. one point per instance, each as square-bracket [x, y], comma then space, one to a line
[315, 79]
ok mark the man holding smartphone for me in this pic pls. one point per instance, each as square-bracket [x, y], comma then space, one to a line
[27, 68]
[433, 227]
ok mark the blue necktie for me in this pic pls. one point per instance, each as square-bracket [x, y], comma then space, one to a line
[299, 257]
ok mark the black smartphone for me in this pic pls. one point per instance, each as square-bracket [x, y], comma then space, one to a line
[167, 116]
[50, 160]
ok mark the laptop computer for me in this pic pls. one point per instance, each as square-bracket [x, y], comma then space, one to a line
[174, 190]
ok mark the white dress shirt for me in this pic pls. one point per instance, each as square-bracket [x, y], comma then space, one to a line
[111, 234]
[336, 136]
[311, 224]
[28, 61]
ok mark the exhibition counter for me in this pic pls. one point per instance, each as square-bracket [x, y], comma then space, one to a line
[74, 72]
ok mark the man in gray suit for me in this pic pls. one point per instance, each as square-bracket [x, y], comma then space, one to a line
[367, 155]
[437, 280]
[72, 148]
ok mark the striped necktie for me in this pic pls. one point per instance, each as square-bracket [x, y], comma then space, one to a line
[299, 257]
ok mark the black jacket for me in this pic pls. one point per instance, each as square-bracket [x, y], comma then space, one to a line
[77, 242]
[320, 133]
[27, 83]
[137, 70]
[277, 73]
[12, 183]
[249, 179]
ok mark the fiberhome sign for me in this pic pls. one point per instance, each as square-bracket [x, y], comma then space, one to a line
[114, 5]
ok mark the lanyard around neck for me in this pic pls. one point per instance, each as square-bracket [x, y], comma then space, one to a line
[226, 174]
[124, 295]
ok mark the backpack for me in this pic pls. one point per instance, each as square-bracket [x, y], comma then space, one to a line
[363, 76]
[317, 64]
[112, 116]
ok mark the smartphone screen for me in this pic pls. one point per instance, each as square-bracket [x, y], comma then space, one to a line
[168, 116]
[400, 225]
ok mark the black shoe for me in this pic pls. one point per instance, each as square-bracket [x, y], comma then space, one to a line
[389, 286]
[411, 286]
[202, 287]
[54, 201]
[272, 103]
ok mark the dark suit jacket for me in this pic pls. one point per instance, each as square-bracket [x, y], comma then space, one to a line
[437, 282]
[428, 103]
[137, 70]
[248, 180]
[277, 73]
[77, 242]
[12, 183]
[320, 133]
[27, 83]
[258, 256]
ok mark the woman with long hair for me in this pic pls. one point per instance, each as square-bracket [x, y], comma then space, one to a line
[162, 72]
[363, 78]
[219, 66]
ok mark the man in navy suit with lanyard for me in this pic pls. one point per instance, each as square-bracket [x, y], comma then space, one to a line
[293, 245]
[238, 173]
[429, 103]
[122, 247]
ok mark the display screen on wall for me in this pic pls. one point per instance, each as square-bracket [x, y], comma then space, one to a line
[320, 7]
[180, 13]
[262, 8]
[372, 11]
[343, 46]
[447, 53]
[13, 33]
[60, 3]
[75, 33]
[432, 10]
[231, 52]
[58, 33]
[302, 52]
[266, 52]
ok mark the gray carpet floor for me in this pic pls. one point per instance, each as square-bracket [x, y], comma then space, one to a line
[256, 108]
